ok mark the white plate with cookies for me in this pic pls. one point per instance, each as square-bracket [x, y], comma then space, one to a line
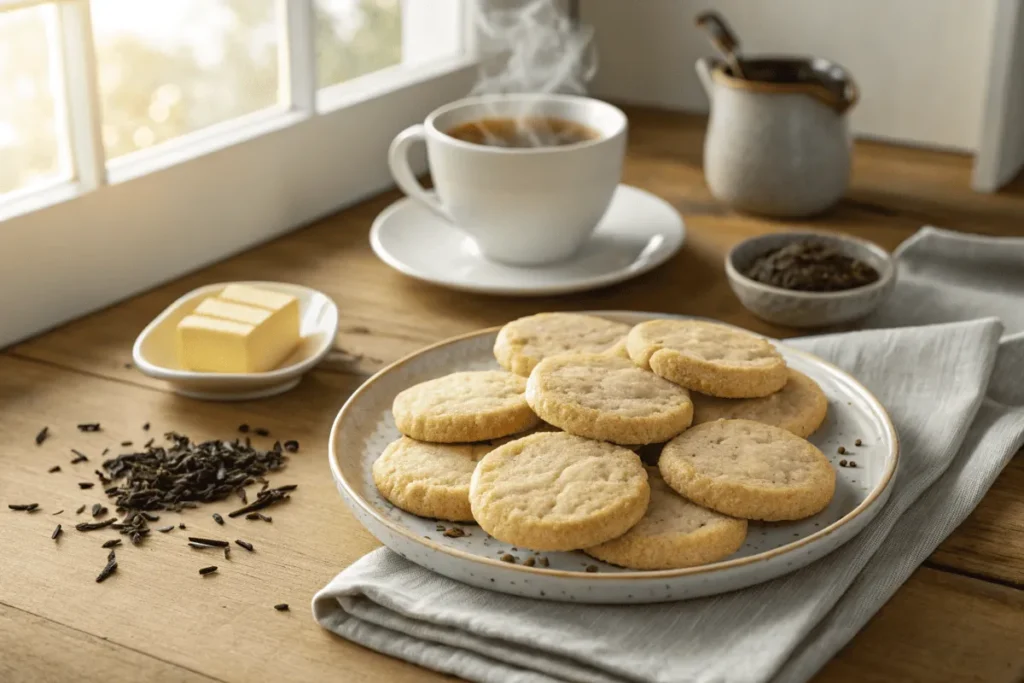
[614, 457]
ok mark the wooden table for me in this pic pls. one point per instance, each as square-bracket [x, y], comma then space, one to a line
[960, 617]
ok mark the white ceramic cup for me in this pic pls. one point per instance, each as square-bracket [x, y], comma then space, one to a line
[522, 206]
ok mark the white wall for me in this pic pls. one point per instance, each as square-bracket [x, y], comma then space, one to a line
[922, 65]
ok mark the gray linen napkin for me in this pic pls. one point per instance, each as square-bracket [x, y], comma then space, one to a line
[959, 424]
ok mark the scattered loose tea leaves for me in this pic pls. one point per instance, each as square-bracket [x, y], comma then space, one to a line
[79, 457]
[89, 427]
[244, 544]
[145, 427]
[55, 468]
[181, 525]
[260, 431]
[282, 607]
[85, 484]
[148, 444]
[112, 543]
[24, 507]
[56, 533]
[150, 517]
[165, 529]
[58, 511]
[217, 518]
[243, 428]
[126, 444]
[41, 436]
[186, 473]
[80, 510]
[266, 498]
[207, 570]
[227, 552]
[98, 510]
[292, 446]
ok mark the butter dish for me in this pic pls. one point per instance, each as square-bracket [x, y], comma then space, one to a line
[155, 352]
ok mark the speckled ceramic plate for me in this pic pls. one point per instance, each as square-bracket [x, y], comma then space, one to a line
[365, 426]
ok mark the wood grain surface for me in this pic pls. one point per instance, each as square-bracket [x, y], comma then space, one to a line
[957, 619]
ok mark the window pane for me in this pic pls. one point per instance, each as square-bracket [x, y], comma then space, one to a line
[356, 37]
[173, 67]
[30, 144]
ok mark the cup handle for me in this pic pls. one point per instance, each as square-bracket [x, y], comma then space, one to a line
[398, 160]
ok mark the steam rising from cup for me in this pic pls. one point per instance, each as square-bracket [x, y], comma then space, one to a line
[532, 47]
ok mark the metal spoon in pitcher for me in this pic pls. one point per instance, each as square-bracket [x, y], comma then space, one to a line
[724, 40]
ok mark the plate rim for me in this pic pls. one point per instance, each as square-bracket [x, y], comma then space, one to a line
[881, 488]
[613, 277]
[163, 372]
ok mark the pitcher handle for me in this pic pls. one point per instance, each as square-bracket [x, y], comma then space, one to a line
[703, 68]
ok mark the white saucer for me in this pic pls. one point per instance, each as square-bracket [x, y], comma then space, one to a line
[639, 232]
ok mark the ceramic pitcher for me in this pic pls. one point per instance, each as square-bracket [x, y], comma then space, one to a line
[778, 141]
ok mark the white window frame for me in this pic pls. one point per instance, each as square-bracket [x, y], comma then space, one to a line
[115, 229]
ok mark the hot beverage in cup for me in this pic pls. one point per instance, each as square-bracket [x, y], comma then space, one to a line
[530, 131]
[527, 177]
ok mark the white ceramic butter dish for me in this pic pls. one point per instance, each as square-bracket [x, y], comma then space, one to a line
[155, 350]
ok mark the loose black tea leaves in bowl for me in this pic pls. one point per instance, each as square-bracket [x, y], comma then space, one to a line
[811, 266]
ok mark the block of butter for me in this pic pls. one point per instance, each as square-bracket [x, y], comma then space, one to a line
[242, 329]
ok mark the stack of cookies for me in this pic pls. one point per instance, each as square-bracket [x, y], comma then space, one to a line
[543, 455]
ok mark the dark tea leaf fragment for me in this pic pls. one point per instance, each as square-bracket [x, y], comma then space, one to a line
[24, 507]
[89, 427]
[56, 533]
[55, 468]
[80, 510]
[145, 427]
[79, 457]
[207, 570]
[85, 484]
[291, 446]
[93, 526]
[244, 544]
[208, 541]
[109, 569]
[282, 607]
[112, 543]
[41, 436]
[260, 431]
[165, 529]
[217, 518]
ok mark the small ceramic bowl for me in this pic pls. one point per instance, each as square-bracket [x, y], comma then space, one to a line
[155, 351]
[809, 309]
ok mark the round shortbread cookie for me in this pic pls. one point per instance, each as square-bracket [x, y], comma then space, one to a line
[428, 479]
[556, 491]
[750, 470]
[607, 398]
[464, 407]
[713, 359]
[523, 343]
[674, 533]
[800, 407]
